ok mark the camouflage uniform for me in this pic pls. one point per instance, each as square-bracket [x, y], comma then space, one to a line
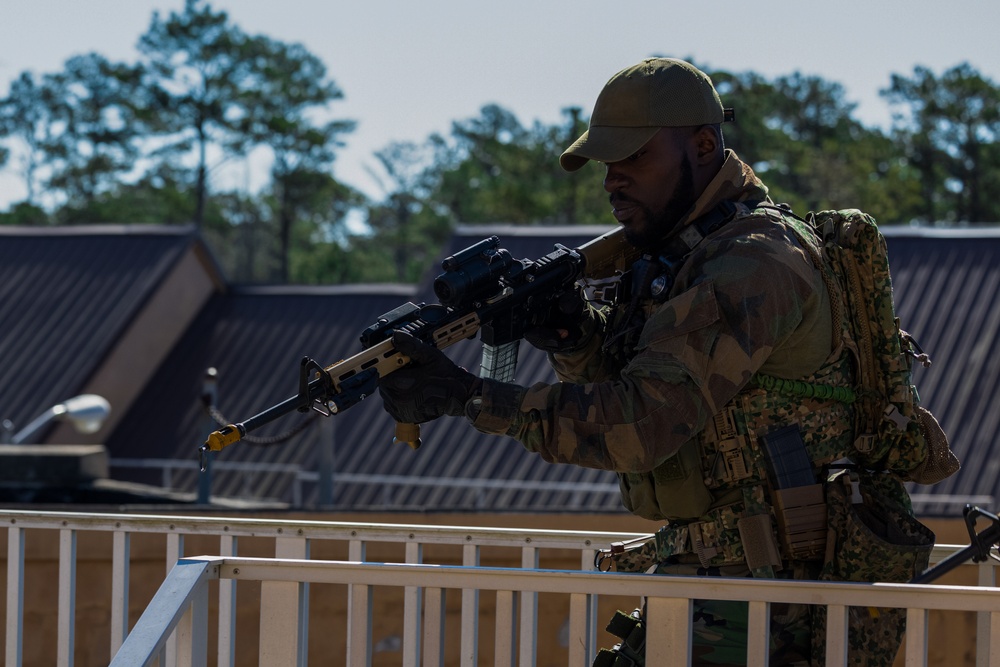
[665, 400]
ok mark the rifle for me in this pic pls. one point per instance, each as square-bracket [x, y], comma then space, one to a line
[979, 549]
[483, 290]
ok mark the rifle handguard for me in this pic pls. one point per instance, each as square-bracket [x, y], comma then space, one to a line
[408, 433]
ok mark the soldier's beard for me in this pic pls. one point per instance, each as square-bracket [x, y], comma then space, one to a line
[660, 224]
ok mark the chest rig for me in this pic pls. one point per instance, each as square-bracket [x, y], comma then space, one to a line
[746, 491]
[651, 279]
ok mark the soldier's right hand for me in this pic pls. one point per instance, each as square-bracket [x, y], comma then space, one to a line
[565, 326]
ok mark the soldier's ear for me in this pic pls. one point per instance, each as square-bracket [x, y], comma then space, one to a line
[707, 143]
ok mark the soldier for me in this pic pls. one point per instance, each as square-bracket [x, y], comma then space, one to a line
[666, 386]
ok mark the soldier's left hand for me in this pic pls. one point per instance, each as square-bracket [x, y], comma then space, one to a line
[430, 386]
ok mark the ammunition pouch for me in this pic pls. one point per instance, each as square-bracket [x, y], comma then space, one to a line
[873, 536]
[674, 490]
[801, 515]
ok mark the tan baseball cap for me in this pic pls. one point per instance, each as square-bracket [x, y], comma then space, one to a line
[637, 101]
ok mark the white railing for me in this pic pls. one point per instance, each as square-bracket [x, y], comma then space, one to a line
[175, 626]
[183, 602]
[289, 539]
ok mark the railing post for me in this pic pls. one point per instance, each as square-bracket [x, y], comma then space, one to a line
[67, 598]
[175, 550]
[590, 641]
[411, 611]
[503, 652]
[15, 595]
[434, 613]
[227, 608]
[120, 561]
[284, 610]
[758, 633]
[469, 656]
[994, 639]
[578, 630]
[985, 648]
[836, 635]
[529, 612]
[916, 637]
[359, 614]
[668, 633]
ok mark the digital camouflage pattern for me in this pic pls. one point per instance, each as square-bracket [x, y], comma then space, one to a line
[638, 556]
[747, 301]
[894, 432]
[861, 549]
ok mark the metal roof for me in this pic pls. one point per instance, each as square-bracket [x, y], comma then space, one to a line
[64, 296]
[946, 285]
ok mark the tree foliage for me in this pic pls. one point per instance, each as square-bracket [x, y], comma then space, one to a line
[24, 118]
[192, 85]
[143, 142]
[949, 127]
[96, 145]
[493, 169]
[289, 86]
[800, 135]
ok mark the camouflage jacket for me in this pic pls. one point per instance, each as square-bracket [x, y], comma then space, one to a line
[747, 299]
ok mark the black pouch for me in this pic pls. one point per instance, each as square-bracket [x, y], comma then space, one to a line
[873, 536]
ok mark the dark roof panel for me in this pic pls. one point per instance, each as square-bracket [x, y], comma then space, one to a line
[946, 288]
[66, 296]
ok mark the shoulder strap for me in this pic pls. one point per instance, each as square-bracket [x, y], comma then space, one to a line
[695, 232]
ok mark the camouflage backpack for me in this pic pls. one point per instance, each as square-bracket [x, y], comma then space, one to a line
[894, 432]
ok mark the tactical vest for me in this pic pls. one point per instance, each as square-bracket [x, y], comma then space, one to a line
[748, 490]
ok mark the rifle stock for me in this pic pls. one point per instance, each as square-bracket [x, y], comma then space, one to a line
[483, 290]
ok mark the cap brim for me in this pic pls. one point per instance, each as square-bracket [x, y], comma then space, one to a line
[605, 144]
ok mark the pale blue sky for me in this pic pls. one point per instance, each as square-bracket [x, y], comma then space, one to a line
[411, 68]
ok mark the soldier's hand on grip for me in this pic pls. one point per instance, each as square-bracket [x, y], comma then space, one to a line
[564, 327]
